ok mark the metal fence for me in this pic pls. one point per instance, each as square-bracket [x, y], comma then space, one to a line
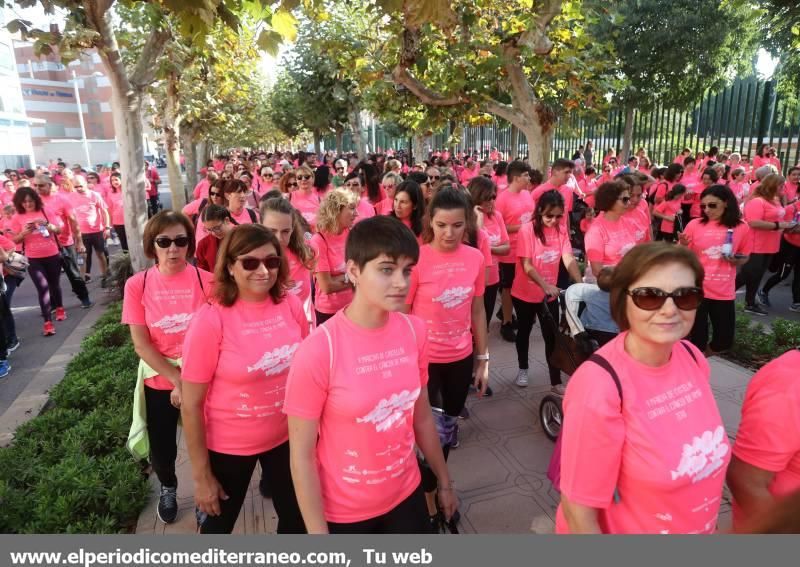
[739, 118]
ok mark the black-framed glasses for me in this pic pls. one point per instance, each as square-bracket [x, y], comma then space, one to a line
[166, 242]
[708, 206]
[292, 184]
[215, 229]
[302, 177]
[653, 298]
[252, 264]
[214, 194]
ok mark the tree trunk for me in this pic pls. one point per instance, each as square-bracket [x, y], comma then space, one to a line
[202, 153]
[190, 151]
[339, 141]
[171, 125]
[358, 133]
[419, 149]
[627, 137]
[317, 142]
[513, 151]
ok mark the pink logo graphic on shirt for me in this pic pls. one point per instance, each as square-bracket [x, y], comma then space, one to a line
[296, 288]
[389, 413]
[172, 324]
[548, 256]
[627, 248]
[275, 361]
[525, 217]
[714, 252]
[494, 239]
[453, 297]
[704, 456]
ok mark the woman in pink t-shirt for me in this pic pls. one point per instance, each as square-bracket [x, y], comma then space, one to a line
[766, 455]
[116, 208]
[159, 304]
[285, 222]
[237, 355]
[336, 215]
[389, 186]
[358, 404]
[542, 246]
[364, 208]
[611, 236]
[739, 185]
[668, 210]
[409, 206]
[32, 227]
[236, 193]
[706, 237]
[644, 449]
[638, 211]
[765, 215]
[483, 193]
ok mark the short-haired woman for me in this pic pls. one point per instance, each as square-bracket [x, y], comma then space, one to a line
[389, 186]
[237, 356]
[409, 206]
[306, 199]
[336, 215]
[610, 236]
[158, 306]
[644, 449]
[236, 193]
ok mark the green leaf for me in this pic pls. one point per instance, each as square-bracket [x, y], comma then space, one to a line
[285, 24]
[269, 41]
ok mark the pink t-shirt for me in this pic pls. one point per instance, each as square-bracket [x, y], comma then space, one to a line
[639, 219]
[88, 208]
[662, 188]
[741, 189]
[301, 276]
[307, 205]
[243, 217]
[385, 207]
[706, 241]
[365, 210]
[670, 208]
[484, 246]
[201, 189]
[116, 209]
[58, 211]
[35, 245]
[516, 209]
[362, 385]
[443, 285]
[496, 230]
[608, 241]
[546, 259]
[663, 450]
[243, 352]
[565, 190]
[769, 433]
[764, 241]
[791, 237]
[165, 305]
[330, 258]
[790, 191]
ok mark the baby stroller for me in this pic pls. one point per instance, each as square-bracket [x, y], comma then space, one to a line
[573, 346]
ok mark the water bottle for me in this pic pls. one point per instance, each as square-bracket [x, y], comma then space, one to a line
[81, 259]
[727, 248]
[43, 231]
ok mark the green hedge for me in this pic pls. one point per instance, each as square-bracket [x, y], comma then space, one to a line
[68, 470]
[754, 344]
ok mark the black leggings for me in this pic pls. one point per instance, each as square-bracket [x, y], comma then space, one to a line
[93, 241]
[525, 315]
[233, 472]
[46, 276]
[122, 235]
[722, 313]
[750, 276]
[489, 299]
[408, 517]
[788, 258]
[448, 384]
[162, 427]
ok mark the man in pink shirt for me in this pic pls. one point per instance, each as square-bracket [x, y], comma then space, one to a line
[94, 221]
[560, 174]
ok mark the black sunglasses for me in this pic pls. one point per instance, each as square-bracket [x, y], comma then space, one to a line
[303, 177]
[653, 298]
[214, 194]
[166, 242]
[708, 205]
[292, 184]
[252, 264]
[434, 177]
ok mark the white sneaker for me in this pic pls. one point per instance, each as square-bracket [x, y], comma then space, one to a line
[559, 389]
[522, 379]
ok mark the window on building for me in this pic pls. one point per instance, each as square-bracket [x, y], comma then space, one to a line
[6, 56]
[55, 130]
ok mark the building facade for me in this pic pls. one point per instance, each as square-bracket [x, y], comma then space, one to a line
[16, 150]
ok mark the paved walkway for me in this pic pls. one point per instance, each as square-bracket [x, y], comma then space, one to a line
[500, 466]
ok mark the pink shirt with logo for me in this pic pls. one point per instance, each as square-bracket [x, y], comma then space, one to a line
[706, 241]
[330, 258]
[496, 230]
[546, 259]
[365, 210]
[639, 218]
[608, 241]
[308, 205]
[790, 191]
[669, 208]
[362, 384]
[301, 278]
[88, 208]
[116, 209]
[663, 450]
[243, 352]
[165, 305]
[443, 285]
[243, 217]
[758, 208]
[516, 209]
[58, 211]
[35, 245]
[769, 433]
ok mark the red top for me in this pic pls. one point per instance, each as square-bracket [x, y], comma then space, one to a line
[206, 253]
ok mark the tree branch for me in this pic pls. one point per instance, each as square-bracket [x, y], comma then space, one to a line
[504, 111]
[401, 76]
[522, 93]
[536, 36]
[108, 48]
[145, 71]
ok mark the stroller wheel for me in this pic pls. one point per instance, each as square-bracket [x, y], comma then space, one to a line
[551, 416]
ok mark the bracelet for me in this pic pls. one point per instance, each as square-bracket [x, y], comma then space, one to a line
[482, 356]
[450, 486]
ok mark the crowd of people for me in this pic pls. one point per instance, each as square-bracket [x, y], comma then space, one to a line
[327, 318]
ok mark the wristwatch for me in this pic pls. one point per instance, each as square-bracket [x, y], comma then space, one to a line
[482, 356]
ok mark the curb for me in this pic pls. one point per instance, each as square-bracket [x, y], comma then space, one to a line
[35, 396]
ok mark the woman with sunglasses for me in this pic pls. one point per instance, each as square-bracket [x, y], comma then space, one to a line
[364, 207]
[116, 208]
[285, 222]
[194, 210]
[644, 449]
[287, 184]
[336, 215]
[722, 242]
[306, 199]
[738, 184]
[610, 236]
[237, 353]
[542, 245]
[409, 206]
[765, 215]
[158, 306]
[236, 193]
[388, 186]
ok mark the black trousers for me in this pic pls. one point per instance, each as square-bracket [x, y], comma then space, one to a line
[408, 517]
[525, 317]
[788, 258]
[162, 427]
[69, 261]
[5, 311]
[448, 384]
[233, 472]
[122, 235]
[9, 326]
[750, 275]
[722, 314]
[93, 241]
[489, 299]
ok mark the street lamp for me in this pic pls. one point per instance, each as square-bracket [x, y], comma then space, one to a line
[80, 119]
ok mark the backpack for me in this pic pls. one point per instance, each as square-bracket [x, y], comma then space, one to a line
[253, 217]
[195, 217]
